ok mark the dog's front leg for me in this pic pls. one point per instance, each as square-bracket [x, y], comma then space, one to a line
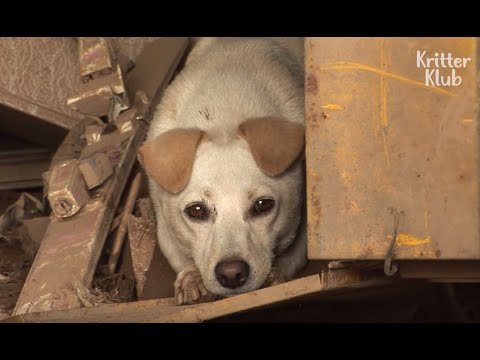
[189, 287]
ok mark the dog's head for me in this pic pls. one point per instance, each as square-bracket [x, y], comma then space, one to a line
[233, 205]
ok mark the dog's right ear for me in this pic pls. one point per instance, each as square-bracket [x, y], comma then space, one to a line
[168, 159]
[275, 143]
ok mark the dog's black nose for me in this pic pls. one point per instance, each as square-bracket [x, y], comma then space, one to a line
[232, 273]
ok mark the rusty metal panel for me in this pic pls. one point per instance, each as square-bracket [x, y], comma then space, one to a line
[383, 137]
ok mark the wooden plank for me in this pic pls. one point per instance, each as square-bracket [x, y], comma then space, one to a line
[380, 141]
[69, 253]
[126, 313]
[243, 302]
[165, 310]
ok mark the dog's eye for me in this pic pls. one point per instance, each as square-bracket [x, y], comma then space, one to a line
[197, 211]
[262, 206]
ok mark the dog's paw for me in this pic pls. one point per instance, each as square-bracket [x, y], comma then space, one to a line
[189, 288]
[275, 277]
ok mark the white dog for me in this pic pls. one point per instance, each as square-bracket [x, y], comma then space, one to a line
[224, 157]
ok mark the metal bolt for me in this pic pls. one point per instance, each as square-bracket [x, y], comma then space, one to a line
[62, 207]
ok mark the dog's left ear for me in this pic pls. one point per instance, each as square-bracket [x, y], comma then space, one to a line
[168, 159]
[275, 143]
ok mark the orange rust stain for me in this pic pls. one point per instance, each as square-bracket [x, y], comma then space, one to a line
[332, 107]
[410, 240]
[311, 84]
[409, 246]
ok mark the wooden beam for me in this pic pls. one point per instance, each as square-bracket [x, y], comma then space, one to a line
[165, 310]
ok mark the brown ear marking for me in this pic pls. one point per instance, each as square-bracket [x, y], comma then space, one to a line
[168, 159]
[275, 143]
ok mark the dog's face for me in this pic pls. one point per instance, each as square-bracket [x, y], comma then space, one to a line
[233, 205]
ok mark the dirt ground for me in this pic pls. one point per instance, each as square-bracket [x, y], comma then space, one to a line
[16, 257]
[14, 267]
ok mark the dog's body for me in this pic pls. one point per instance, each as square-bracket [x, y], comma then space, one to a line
[223, 155]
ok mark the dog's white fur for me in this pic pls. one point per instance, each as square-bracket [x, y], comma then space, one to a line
[224, 82]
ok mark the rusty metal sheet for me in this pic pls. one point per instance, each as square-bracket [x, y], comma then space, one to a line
[383, 138]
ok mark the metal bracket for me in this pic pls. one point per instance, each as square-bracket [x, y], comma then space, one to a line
[389, 268]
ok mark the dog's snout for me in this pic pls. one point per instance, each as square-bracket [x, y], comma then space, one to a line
[232, 273]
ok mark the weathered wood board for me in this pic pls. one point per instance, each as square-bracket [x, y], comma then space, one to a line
[165, 310]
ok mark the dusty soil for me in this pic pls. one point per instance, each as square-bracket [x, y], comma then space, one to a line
[17, 250]
[16, 257]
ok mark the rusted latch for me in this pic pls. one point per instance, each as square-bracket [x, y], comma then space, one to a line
[389, 268]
